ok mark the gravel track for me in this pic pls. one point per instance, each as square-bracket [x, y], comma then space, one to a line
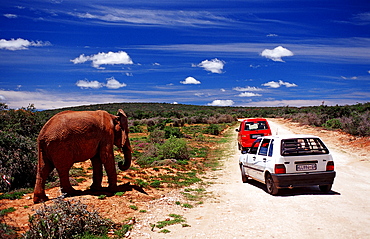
[244, 210]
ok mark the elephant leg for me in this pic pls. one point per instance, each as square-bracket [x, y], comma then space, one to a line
[65, 184]
[110, 168]
[107, 156]
[97, 173]
[43, 171]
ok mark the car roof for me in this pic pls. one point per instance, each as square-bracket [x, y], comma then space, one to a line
[254, 119]
[290, 136]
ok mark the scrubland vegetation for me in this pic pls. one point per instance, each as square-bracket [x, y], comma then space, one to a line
[162, 135]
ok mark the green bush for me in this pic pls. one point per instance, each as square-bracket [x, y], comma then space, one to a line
[172, 131]
[333, 124]
[66, 219]
[174, 148]
[213, 129]
[18, 162]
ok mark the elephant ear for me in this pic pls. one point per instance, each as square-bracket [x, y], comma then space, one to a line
[123, 124]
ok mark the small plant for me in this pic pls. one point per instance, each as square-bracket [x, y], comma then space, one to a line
[141, 183]
[155, 184]
[119, 194]
[6, 211]
[142, 211]
[122, 232]
[178, 203]
[187, 205]
[102, 197]
[176, 220]
[164, 231]
[133, 207]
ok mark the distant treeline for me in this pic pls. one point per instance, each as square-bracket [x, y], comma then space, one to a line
[353, 119]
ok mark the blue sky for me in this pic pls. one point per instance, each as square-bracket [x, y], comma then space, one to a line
[59, 53]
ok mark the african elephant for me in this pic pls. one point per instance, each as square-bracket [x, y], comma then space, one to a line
[76, 136]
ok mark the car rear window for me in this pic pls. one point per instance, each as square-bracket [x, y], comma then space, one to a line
[255, 125]
[303, 146]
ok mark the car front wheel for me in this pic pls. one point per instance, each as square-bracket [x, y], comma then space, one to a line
[270, 186]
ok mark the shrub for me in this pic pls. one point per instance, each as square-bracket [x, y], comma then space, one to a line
[357, 124]
[172, 131]
[66, 219]
[174, 148]
[213, 129]
[157, 136]
[18, 156]
[333, 124]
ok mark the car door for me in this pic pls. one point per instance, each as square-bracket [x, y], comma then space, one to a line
[260, 159]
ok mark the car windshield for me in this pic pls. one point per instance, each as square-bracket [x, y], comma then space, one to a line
[255, 125]
[303, 146]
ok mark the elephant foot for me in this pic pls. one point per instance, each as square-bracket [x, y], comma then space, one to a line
[71, 193]
[39, 198]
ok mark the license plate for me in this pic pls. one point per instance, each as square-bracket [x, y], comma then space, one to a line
[255, 136]
[306, 167]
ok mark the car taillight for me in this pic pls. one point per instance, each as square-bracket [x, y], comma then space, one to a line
[330, 166]
[280, 168]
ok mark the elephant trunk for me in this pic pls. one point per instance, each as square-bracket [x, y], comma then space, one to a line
[127, 153]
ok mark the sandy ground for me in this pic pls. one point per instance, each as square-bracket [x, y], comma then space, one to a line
[236, 210]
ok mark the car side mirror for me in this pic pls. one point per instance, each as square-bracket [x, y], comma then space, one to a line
[237, 130]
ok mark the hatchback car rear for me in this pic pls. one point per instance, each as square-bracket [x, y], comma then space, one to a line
[249, 130]
[289, 161]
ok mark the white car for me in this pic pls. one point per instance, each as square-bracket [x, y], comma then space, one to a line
[288, 161]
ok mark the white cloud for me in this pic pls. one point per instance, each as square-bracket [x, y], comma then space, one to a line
[8, 15]
[85, 84]
[248, 88]
[190, 80]
[214, 65]
[271, 35]
[274, 84]
[152, 17]
[277, 53]
[110, 58]
[248, 94]
[111, 84]
[52, 100]
[20, 44]
[349, 78]
[114, 84]
[221, 103]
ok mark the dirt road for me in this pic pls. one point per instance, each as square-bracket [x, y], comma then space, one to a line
[237, 210]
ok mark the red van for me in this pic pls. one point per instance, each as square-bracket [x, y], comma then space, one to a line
[249, 130]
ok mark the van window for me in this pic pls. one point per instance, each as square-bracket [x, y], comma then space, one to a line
[264, 147]
[254, 148]
[255, 125]
[303, 146]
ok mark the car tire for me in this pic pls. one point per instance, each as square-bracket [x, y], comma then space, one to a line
[270, 185]
[325, 188]
[244, 176]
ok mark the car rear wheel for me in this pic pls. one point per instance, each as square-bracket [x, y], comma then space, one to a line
[270, 186]
[325, 188]
[244, 176]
